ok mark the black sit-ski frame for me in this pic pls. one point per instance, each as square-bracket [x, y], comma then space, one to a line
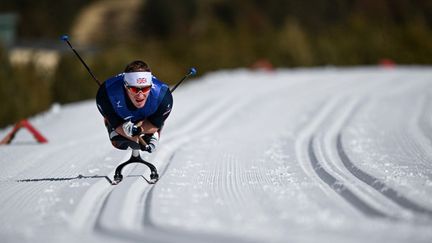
[135, 158]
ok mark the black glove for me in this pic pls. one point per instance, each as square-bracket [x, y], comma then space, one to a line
[131, 129]
[136, 130]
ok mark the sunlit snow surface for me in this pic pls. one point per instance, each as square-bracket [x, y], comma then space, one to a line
[302, 155]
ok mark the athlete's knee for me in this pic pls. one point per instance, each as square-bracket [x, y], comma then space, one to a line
[118, 145]
[123, 143]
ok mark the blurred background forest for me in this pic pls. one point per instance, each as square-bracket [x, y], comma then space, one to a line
[38, 69]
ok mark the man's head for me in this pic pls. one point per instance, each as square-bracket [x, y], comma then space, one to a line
[138, 82]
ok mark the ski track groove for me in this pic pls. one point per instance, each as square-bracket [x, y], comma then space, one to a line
[368, 194]
[376, 183]
[147, 222]
[227, 190]
[227, 181]
[416, 146]
[210, 126]
[234, 183]
[23, 195]
[39, 158]
[325, 108]
[414, 143]
[230, 187]
[337, 181]
[339, 187]
[238, 182]
[326, 155]
[100, 190]
[302, 147]
[306, 142]
[410, 148]
[425, 119]
[21, 198]
[421, 140]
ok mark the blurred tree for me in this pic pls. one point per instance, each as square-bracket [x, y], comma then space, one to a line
[210, 34]
[43, 18]
[72, 81]
[165, 18]
[23, 92]
[294, 45]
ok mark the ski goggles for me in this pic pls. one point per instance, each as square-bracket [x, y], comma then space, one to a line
[136, 90]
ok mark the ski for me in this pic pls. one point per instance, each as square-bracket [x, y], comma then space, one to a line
[135, 158]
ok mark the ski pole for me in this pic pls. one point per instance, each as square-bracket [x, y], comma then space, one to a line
[66, 39]
[192, 72]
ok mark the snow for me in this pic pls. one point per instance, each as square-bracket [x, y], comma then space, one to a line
[304, 155]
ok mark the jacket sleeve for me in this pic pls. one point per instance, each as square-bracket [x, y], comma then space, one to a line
[105, 107]
[163, 111]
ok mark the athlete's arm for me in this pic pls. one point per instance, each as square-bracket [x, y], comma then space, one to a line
[156, 121]
[148, 128]
[105, 108]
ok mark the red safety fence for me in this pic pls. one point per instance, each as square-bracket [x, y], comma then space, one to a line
[23, 124]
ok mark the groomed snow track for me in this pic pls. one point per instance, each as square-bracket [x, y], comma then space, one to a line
[329, 155]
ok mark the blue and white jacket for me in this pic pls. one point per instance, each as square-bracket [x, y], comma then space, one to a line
[114, 104]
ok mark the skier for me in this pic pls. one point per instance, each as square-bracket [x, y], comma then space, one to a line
[135, 105]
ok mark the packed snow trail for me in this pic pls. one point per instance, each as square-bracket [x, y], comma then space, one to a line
[329, 155]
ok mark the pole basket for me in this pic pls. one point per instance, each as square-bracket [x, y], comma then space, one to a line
[23, 124]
